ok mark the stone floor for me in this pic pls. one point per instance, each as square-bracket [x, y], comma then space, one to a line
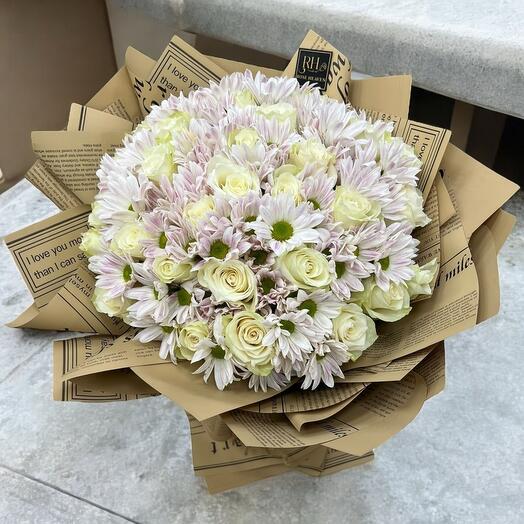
[460, 461]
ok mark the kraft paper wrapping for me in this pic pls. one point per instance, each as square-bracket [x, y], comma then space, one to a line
[238, 435]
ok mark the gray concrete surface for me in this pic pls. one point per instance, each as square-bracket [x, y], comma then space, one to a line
[460, 461]
[470, 50]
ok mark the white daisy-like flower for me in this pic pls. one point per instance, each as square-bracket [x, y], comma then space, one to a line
[283, 226]
[186, 302]
[167, 334]
[219, 239]
[324, 364]
[217, 361]
[274, 380]
[114, 273]
[396, 256]
[321, 306]
[292, 334]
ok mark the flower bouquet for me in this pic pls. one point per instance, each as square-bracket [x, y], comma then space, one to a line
[280, 253]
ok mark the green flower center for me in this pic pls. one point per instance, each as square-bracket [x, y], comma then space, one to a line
[267, 284]
[356, 252]
[310, 305]
[316, 205]
[162, 240]
[155, 294]
[250, 218]
[127, 273]
[384, 263]
[219, 249]
[167, 329]
[319, 357]
[340, 268]
[282, 231]
[288, 326]
[130, 208]
[218, 352]
[259, 256]
[184, 297]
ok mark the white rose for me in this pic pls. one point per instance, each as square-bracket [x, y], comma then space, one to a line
[167, 270]
[414, 209]
[230, 281]
[420, 283]
[282, 112]
[286, 169]
[176, 122]
[158, 162]
[306, 268]
[245, 136]
[231, 179]
[94, 219]
[350, 208]
[354, 329]
[311, 151]
[92, 242]
[245, 98]
[128, 239]
[194, 212]
[389, 306]
[112, 307]
[243, 335]
[287, 183]
[189, 336]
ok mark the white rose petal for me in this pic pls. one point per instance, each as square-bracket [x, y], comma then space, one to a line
[229, 178]
[168, 271]
[112, 307]
[354, 329]
[189, 337]
[350, 208]
[420, 283]
[282, 112]
[231, 281]
[128, 239]
[306, 268]
[244, 333]
[414, 209]
[92, 242]
[311, 151]
[389, 306]
[194, 212]
[158, 162]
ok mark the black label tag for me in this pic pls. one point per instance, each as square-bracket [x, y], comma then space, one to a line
[313, 66]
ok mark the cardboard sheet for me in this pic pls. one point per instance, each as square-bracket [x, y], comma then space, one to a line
[198, 398]
[43, 179]
[501, 223]
[318, 62]
[71, 353]
[180, 69]
[484, 253]
[72, 309]
[390, 405]
[47, 253]
[334, 462]
[117, 97]
[300, 418]
[83, 118]
[476, 190]
[299, 400]
[74, 157]
[433, 370]
[388, 371]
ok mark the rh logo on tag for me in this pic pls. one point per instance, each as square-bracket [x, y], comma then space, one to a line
[313, 66]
